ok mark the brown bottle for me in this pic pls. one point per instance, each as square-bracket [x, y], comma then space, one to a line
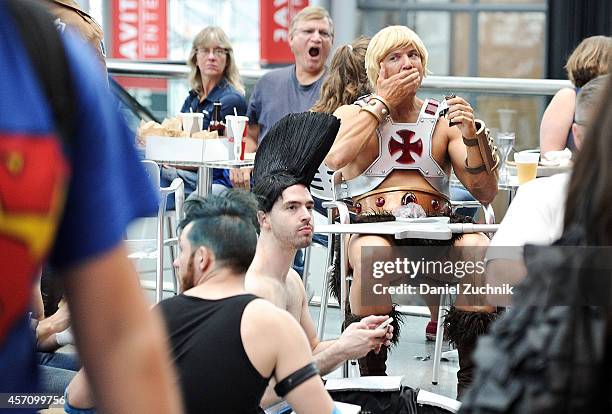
[216, 123]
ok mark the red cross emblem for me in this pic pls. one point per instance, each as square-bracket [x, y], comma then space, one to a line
[406, 147]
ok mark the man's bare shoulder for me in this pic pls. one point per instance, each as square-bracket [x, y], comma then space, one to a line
[267, 319]
[293, 277]
[262, 310]
[295, 285]
[263, 319]
[267, 288]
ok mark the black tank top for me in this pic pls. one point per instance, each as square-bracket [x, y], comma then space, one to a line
[216, 375]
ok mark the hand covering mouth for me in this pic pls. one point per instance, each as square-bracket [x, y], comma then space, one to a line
[314, 51]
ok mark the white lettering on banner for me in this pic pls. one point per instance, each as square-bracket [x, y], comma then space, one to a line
[129, 17]
[127, 31]
[151, 33]
[280, 17]
[151, 49]
[127, 5]
[150, 16]
[151, 4]
[280, 35]
[128, 48]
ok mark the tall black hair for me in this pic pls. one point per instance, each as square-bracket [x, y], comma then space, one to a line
[291, 153]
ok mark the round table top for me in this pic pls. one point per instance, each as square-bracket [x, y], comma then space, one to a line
[210, 164]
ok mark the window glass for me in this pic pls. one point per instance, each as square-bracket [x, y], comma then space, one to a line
[511, 45]
[434, 28]
[460, 44]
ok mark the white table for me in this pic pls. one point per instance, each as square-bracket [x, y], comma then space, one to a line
[435, 228]
[205, 170]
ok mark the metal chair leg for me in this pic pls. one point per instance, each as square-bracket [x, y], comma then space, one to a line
[325, 295]
[159, 282]
[325, 287]
[439, 340]
[307, 253]
[343, 295]
[172, 256]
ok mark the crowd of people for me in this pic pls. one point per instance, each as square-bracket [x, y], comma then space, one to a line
[239, 337]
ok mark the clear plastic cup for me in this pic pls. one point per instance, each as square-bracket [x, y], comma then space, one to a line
[236, 130]
[526, 165]
[192, 121]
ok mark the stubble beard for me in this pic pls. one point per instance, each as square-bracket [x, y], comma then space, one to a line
[189, 275]
[294, 241]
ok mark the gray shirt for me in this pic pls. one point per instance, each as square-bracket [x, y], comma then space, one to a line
[279, 93]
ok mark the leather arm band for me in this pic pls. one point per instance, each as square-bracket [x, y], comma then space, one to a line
[475, 170]
[488, 151]
[285, 386]
[470, 142]
[376, 106]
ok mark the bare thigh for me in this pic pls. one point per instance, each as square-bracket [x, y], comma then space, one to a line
[378, 305]
[476, 245]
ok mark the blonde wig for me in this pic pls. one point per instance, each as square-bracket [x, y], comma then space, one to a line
[388, 39]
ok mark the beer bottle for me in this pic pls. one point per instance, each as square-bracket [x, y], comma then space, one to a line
[216, 123]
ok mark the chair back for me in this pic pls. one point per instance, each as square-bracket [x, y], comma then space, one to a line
[153, 172]
[322, 186]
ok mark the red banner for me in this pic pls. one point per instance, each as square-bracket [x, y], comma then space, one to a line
[139, 29]
[139, 32]
[275, 16]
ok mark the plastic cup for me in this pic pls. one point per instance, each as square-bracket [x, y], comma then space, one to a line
[192, 122]
[236, 126]
[526, 166]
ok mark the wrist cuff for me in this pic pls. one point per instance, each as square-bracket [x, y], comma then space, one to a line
[488, 151]
[376, 106]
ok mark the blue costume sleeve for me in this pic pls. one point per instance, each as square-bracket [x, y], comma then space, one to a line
[108, 187]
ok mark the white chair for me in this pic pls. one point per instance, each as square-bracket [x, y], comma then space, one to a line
[446, 300]
[327, 185]
[153, 248]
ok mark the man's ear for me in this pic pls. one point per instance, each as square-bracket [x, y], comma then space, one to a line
[263, 219]
[290, 40]
[204, 259]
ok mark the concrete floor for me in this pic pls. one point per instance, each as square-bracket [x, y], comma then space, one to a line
[412, 357]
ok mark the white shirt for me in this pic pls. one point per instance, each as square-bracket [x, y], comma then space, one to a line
[535, 216]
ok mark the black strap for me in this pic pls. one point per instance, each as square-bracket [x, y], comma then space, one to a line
[293, 380]
[46, 51]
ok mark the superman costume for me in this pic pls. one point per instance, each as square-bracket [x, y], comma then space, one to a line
[64, 203]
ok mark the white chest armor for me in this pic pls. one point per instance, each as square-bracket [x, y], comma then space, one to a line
[403, 146]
